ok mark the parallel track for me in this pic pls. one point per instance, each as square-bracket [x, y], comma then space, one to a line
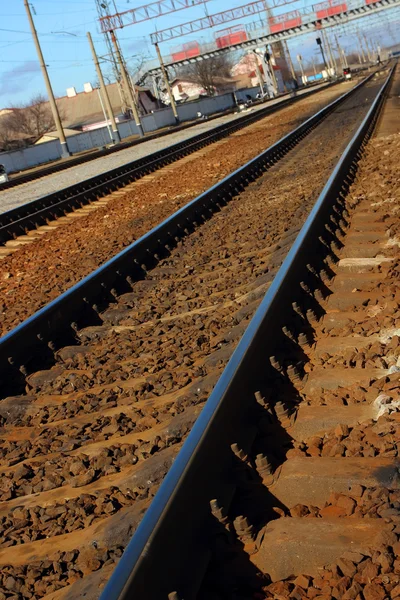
[78, 160]
[29, 216]
[234, 458]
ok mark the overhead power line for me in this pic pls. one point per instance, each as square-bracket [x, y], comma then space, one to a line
[145, 13]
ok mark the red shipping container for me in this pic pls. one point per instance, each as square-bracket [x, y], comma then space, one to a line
[230, 36]
[285, 21]
[178, 56]
[330, 8]
[187, 50]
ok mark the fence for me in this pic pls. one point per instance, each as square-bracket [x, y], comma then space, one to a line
[18, 160]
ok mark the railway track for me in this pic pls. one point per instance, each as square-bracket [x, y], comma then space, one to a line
[28, 277]
[61, 166]
[288, 485]
[39, 212]
[127, 359]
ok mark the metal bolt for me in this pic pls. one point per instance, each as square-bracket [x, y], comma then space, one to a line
[174, 596]
[241, 454]
[281, 410]
[318, 295]
[296, 308]
[329, 260]
[312, 269]
[218, 512]
[275, 363]
[263, 465]
[305, 287]
[260, 400]
[303, 340]
[311, 316]
[330, 230]
[293, 373]
[245, 531]
[288, 333]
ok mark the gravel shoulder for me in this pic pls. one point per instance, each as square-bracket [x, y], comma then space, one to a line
[41, 187]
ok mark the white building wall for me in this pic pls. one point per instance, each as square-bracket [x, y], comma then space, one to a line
[18, 160]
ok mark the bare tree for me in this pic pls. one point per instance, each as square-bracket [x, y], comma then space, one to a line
[136, 66]
[108, 77]
[32, 119]
[7, 135]
[207, 72]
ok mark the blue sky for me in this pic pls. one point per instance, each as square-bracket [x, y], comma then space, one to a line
[62, 27]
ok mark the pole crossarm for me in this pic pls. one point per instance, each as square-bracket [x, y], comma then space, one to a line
[145, 13]
[309, 24]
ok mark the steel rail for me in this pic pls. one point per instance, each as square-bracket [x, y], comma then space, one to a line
[77, 160]
[36, 339]
[174, 542]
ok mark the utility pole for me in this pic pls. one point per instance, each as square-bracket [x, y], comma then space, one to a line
[361, 47]
[336, 61]
[258, 71]
[166, 81]
[56, 116]
[267, 57]
[346, 64]
[340, 51]
[314, 68]
[367, 47]
[287, 51]
[103, 9]
[115, 133]
[328, 46]
[126, 84]
[105, 115]
[321, 47]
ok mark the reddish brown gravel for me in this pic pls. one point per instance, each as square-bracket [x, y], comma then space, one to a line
[39, 272]
[86, 446]
[341, 420]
